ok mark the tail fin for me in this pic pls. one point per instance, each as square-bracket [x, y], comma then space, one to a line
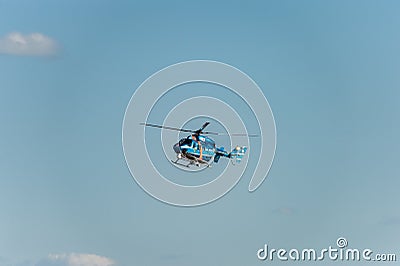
[237, 154]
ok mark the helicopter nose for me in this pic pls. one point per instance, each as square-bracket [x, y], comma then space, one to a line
[176, 148]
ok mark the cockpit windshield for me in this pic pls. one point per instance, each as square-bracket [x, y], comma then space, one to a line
[188, 142]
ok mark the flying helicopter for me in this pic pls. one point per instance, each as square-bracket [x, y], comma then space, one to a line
[200, 150]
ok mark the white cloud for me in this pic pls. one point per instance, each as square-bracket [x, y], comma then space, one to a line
[75, 259]
[34, 44]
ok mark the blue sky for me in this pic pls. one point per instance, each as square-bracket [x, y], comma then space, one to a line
[329, 70]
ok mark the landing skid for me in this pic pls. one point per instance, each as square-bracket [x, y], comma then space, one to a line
[191, 162]
[177, 163]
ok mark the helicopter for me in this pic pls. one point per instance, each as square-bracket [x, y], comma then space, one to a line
[200, 150]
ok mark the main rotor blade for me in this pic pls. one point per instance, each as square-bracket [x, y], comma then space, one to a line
[169, 128]
[204, 126]
[233, 134]
[200, 130]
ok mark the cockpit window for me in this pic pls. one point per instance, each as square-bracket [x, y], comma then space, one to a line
[188, 142]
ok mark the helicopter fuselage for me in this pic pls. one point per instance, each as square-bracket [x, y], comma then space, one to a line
[194, 147]
[198, 149]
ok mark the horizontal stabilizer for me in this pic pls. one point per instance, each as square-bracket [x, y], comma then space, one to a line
[237, 154]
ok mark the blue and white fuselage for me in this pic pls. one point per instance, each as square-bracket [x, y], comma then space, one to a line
[199, 149]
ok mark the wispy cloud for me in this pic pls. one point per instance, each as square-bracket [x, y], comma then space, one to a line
[75, 259]
[34, 44]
